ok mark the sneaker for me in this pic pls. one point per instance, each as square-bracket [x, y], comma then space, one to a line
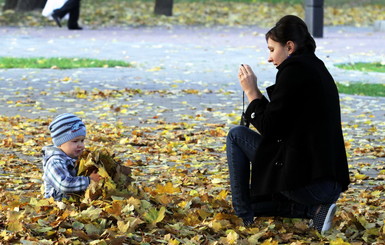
[323, 220]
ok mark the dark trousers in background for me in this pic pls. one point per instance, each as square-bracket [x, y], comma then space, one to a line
[71, 7]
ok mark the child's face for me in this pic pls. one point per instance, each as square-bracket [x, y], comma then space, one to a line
[74, 147]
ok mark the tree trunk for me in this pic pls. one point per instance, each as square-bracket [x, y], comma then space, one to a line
[10, 4]
[24, 5]
[163, 7]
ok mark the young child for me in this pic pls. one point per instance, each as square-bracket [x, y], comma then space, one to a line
[68, 133]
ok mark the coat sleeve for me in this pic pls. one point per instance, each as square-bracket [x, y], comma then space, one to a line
[273, 118]
[59, 176]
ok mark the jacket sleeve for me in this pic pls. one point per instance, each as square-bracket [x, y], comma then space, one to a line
[273, 118]
[59, 176]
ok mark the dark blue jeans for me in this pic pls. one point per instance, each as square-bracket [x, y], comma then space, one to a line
[242, 144]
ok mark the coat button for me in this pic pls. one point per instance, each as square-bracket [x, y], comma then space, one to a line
[279, 164]
[252, 115]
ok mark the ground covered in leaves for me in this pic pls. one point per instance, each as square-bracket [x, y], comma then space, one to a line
[95, 14]
[174, 141]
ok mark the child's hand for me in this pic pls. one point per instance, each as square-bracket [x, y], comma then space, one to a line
[94, 176]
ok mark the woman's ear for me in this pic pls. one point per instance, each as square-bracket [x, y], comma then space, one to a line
[290, 47]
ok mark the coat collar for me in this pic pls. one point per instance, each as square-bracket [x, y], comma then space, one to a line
[295, 58]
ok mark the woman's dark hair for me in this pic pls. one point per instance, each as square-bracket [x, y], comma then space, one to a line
[292, 28]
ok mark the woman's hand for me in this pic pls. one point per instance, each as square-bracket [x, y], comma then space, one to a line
[248, 81]
[94, 176]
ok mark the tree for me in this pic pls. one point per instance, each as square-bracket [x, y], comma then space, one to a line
[163, 7]
[24, 5]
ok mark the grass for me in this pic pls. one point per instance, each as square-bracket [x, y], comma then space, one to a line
[365, 67]
[58, 63]
[73, 63]
[364, 89]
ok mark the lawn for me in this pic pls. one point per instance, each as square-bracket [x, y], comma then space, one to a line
[58, 63]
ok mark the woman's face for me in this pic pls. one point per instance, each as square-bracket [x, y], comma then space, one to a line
[278, 53]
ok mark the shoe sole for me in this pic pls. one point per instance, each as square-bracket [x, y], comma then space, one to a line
[329, 218]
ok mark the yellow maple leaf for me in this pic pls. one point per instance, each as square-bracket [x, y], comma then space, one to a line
[168, 188]
[153, 216]
[360, 176]
[164, 199]
[339, 241]
[14, 221]
[232, 237]
[222, 195]
[103, 172]
[115, 208]
[269, 241]
[130, 225]
[216, 225]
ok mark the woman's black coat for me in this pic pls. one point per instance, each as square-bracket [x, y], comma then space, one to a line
[301, 127]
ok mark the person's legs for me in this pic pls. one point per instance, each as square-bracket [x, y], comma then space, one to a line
[320, 198]
[314, 201]
[241, 146]
[67, 7]
[278, 205]
[73, 8]
[314, 195]
[309, 202]
[74, 16]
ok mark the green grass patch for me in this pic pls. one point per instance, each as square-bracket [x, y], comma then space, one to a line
[364, 89]
[365, 67]
[58, 63]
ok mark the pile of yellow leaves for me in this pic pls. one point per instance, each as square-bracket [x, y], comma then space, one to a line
[115, 176]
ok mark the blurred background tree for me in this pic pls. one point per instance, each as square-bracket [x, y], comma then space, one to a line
[163, 7]
[23, 5]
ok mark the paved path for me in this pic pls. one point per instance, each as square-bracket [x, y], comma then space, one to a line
[184, 57]
[203, 59]
[195, 54]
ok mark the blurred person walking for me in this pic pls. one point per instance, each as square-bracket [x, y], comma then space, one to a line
[71, 7]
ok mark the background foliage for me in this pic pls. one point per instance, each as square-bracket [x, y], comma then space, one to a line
[101, 13]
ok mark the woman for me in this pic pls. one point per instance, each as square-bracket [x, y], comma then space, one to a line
[299, 166]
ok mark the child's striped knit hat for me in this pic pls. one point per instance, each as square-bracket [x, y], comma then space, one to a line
[65, 127]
